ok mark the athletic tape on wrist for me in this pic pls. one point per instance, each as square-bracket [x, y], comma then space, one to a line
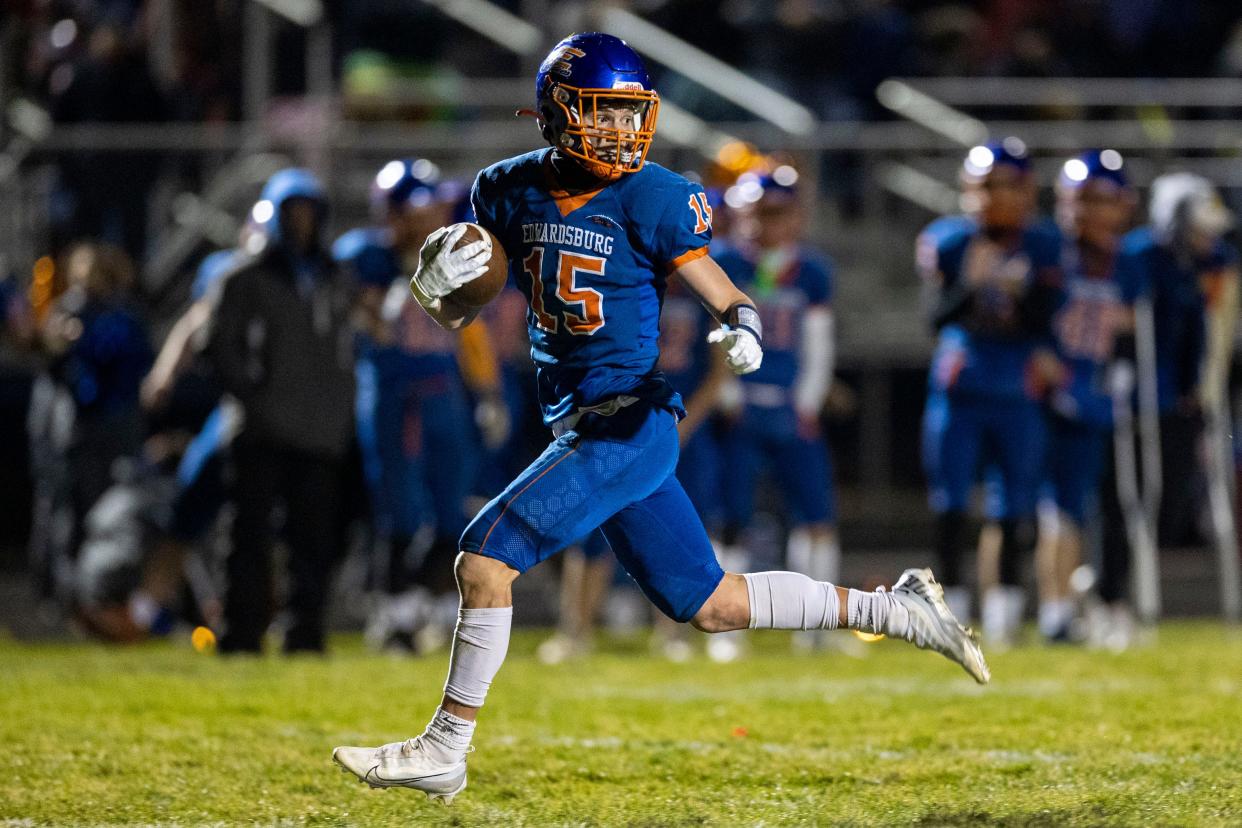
[745, 317]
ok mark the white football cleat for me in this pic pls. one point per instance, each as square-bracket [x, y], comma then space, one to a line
[404, 765]
[933, 627]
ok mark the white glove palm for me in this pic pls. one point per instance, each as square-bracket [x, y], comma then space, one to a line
[742, 349]
[442, 270]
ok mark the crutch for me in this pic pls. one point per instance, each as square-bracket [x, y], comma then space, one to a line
[1138, 527]
[1146, 552]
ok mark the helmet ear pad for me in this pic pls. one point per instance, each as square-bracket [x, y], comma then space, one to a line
[552, 122]
[554, 116]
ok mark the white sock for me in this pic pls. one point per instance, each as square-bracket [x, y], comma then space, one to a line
[447, 737]
[789, 601]
[877, 612]
[479, 646]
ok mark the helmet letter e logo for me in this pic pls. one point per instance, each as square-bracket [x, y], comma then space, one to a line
[562, 66]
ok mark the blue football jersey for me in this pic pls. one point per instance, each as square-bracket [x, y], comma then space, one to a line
[986, 351]
[1096, 308]
[782, 287]
[593, 268]
[1178, 306]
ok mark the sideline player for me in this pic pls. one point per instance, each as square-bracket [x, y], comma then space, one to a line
[414, 415]
[593, 232]
[995, 276]
[1094, 208]
[778, 427]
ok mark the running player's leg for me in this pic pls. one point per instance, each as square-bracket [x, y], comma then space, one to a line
[700, 472]
[661, 543]
[582, 478]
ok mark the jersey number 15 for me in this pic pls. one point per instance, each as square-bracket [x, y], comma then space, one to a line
[582, 308]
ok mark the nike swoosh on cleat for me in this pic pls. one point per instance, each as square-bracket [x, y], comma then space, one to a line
[435, 777]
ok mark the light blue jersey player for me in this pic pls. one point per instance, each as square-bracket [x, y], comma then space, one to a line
[593, 231]
[778, 428]
[995, 275]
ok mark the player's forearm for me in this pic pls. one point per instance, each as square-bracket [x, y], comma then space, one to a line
[726, 301]
[712, 286]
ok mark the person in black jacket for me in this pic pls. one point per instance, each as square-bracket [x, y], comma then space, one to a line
[280, 344]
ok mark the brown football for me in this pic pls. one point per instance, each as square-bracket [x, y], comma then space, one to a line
[484, 289]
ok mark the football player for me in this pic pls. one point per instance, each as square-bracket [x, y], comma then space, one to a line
[593, 231]
[994, 277]
[1095, 204]
[414, 414]
[778, 427]
[692, 368]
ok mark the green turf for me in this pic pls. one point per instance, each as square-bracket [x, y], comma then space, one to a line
[161, 734]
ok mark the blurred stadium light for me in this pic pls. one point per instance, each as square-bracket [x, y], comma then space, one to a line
[1110, 92]
[714, 74]
[922, 109]
[493, 22]
[919, 188]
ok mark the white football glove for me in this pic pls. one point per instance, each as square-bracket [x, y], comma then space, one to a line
[742, 349]
[442, 270]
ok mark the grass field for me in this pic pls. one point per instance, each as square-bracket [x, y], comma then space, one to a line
[161, 734]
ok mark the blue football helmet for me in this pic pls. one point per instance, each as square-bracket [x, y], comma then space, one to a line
[981, 160]
[586, 72]
[284, 185]
[775, 185]
[404, 183]
[1093, 165]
